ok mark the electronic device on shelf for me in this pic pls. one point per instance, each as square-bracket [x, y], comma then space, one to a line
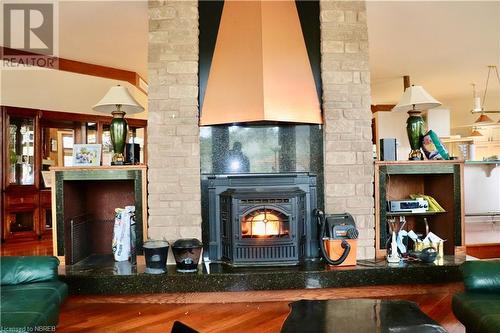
[408, 206]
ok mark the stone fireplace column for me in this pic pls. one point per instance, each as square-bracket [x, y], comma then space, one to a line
[173, 133]
[347, 114]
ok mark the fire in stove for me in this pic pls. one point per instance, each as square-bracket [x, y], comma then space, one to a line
[264, 223]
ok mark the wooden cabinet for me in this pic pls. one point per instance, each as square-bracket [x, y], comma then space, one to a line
[443, 180]
[45, 212]
[31, 144]
[20, 179]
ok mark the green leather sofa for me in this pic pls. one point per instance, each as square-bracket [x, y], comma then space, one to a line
[478, 308]
[31, 294]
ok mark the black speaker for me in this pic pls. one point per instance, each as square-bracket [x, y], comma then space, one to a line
[132, 153]
[388, 149]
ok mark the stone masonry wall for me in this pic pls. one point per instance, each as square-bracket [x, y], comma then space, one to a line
[347, 114]
[173, 133]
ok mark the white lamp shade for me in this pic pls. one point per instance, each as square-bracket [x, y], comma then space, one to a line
[417, 99]
[118, 95]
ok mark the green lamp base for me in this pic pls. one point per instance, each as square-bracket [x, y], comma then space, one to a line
[415, 128]
[118, 130]
[415, 155]
[118, 159]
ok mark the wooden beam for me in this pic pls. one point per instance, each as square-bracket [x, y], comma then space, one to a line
[74, 66]
[406, 82]
[382, 107]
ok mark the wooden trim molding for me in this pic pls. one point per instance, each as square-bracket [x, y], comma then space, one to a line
[78, 67]
[49, 117]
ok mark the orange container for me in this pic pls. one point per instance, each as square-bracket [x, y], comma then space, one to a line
[334, 249]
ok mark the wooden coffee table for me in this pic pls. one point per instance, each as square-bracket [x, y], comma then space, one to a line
[358, 315]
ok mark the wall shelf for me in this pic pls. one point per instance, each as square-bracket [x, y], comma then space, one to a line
[443, 180]
[412, 214]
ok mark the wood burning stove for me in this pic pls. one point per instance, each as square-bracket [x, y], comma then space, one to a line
[262, 219]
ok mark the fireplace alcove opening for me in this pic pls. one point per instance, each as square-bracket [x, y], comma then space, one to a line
[284, 156]
[273, 153]
[89, 215]
[84, 209]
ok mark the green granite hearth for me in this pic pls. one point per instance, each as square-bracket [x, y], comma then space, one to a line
[102, 275]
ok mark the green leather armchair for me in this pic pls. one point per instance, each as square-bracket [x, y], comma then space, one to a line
[31, 294]
[478, 308]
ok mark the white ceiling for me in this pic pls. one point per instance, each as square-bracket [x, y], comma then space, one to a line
[108, 33]
[443, 46]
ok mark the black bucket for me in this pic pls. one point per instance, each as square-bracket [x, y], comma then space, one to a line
[156, 253]
[187, 254]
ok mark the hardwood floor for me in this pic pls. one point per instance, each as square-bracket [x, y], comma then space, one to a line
[484, 251]
[41, 247]
[77, 315]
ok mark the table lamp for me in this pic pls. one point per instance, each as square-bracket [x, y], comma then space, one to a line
[414, 100]
[118, 102]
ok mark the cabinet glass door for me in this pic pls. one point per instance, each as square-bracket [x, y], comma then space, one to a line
[107, 146]
[91, 133]
[21, 151]
[21, 222]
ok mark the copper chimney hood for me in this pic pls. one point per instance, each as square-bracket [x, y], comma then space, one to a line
[260, 70]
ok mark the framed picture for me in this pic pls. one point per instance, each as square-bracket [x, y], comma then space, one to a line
[86, 155]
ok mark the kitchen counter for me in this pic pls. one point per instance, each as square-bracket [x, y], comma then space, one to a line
[496, 162]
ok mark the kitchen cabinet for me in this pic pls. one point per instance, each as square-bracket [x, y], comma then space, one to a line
[486, 149]
[482, 150]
